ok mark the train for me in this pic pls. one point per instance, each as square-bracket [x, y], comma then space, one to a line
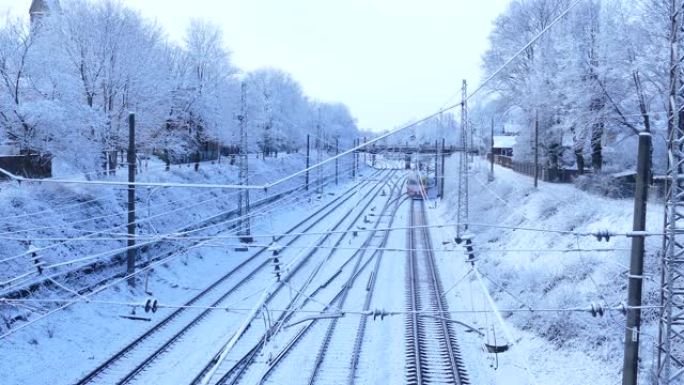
[416, 185]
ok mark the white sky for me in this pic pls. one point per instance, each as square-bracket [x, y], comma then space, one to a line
[390, 61]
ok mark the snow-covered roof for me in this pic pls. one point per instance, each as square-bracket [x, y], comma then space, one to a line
[504, 141]
[624, 174]
[44, 6]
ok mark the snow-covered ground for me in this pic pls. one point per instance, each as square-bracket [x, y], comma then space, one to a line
[42, 217]
[544, 270]
[64, 345]
[521, 260]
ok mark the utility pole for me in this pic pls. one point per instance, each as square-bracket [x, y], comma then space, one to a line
[365, 151]
[337, 161]
[358, 155]
[308, 159]
[319, 156]
[636, 271]
[471, 137]
[443, 168]
[132, 163]
[491, 152]
[536, 151]
[437, 164]
[354, 161]
[244, 223]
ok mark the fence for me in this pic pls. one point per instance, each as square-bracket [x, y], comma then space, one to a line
[546, 174]
[206, 153]
[28, 166]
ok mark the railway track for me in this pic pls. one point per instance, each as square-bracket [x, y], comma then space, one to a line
[323, 275]
[337, 352]
[432, 354]
[313, 329]
[124, 366]
[159, 249]
[370, 290]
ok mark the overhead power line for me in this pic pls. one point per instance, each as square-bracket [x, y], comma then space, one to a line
[361, 146]
[593, 308]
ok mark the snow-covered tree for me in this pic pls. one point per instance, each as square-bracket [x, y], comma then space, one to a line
[69, 79]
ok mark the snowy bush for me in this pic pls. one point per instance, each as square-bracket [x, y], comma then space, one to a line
[601, 184]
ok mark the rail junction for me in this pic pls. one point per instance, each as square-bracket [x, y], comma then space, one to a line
[302, 323]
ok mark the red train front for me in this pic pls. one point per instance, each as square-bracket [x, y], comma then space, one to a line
[416, 186]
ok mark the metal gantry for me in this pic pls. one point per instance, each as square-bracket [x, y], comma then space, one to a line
[243, 173]
[462, 221]
[670, 349]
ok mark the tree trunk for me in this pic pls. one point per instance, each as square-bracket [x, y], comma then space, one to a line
[597, 146]
[579, 158]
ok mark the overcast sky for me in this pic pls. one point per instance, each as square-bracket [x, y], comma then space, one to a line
[390, 61]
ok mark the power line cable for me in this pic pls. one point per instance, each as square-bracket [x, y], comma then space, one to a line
[33, 272]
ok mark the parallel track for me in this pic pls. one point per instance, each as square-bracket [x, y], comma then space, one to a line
[337, 354]
[336, 301]
[432, 354]
[26, 289]
[183, 319]
[233, 374]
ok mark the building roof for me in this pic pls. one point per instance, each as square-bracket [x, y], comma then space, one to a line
[504, 141]
[44, 6]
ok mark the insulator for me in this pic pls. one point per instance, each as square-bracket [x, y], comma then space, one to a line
[623, 308]
[151, 305]
[601, 235]
[596, 310]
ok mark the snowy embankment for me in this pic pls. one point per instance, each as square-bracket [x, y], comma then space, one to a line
[61, 347]
[76, 225]
[546, 271]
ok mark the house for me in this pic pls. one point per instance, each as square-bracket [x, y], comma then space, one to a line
[503, 145]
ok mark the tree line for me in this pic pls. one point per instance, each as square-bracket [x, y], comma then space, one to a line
[69, 79]
[592, 82]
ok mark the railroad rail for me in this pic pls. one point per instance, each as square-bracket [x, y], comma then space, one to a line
[375, 239]
[25, 289]
[432, 353]
[336, 353]
[370, 290]
[142, 351]
[233, 374]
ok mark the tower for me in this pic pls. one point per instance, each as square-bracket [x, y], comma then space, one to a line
[462, 208]
[670, 347]
[40, 8]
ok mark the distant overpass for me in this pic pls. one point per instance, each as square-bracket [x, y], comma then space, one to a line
[374, 149]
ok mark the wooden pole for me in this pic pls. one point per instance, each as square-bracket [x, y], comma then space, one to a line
[132, 164]
[337, 161]
[308, 159]
[354, 162]
[437, 165]
[636, 272]
[491, 152]
[536, 151]
[442, 174]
